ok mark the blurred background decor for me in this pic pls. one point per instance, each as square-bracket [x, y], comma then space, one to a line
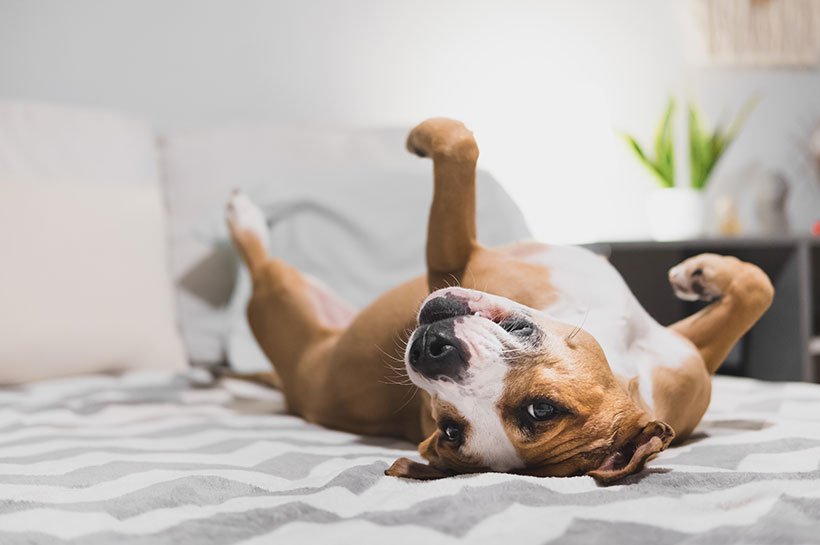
[759, 32]
[677, 210]
[750, 202]
[542, 84]
[815, 153]
[673, 211]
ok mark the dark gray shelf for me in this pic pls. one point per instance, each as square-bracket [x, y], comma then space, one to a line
[783, 345]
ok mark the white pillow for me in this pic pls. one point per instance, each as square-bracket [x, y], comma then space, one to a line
[84, 283]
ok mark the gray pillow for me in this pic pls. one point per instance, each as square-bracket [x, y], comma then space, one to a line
[360, 231]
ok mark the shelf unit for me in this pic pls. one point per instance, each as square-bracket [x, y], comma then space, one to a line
[785, 343]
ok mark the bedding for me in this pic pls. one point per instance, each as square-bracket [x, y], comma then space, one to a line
[145, 457]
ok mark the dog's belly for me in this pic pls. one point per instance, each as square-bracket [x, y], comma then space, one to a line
[590, 293]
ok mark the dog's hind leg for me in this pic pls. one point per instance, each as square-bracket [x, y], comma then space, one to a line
[289, 313]
[451, 228]
[740, 292]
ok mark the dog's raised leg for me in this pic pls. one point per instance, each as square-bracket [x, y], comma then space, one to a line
[288, 312]
[740, 292]
[451, 228]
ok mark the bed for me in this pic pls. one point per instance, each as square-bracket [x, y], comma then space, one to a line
[149, 457]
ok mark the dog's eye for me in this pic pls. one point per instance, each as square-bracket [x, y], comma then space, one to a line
[536, 413]
[452, 433]
[540, 410]
[517, 326]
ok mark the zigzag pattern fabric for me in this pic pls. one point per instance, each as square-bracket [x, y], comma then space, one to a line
[145, 458]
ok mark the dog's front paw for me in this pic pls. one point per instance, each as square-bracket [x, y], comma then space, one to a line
[704, 277]
[442, 137]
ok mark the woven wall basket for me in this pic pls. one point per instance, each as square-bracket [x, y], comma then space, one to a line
[759, 32]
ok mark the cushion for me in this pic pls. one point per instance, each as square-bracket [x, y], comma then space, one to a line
[359, 231]
[84, 284]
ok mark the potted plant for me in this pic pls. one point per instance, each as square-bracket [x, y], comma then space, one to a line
[677, 211]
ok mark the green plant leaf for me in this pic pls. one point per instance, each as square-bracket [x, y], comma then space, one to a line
[664, 146]
[740, 119]
[636, 148]
[705, 148]
[663, 164]
[699, 147]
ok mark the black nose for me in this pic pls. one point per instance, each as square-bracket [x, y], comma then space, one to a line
[436, 352]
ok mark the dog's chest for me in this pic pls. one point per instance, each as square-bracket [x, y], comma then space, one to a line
[590, 293]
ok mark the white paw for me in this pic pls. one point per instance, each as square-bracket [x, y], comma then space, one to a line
[696, 279]
[243, 215]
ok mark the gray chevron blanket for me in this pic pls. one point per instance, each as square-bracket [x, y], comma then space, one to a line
[146, 458]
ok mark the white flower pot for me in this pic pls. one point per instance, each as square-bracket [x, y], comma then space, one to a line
[675, 213]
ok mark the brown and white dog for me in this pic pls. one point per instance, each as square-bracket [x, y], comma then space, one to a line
[540, 361]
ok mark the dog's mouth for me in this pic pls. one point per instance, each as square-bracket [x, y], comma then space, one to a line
[443, 307]
[458, 328]
[451, 303]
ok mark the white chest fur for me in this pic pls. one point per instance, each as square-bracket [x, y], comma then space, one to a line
[591, 292]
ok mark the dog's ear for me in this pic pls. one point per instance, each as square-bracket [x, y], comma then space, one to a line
[409, 469]
[404, 467]
[632, 454]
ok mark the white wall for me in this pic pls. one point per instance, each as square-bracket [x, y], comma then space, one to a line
[544, 84]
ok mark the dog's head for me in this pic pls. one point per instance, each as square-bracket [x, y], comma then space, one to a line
[513, 390]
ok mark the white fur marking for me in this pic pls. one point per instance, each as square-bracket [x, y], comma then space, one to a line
[477, 399]
[679, 279]
[246, 216]
[633, 342]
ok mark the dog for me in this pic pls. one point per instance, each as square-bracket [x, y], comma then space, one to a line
[529, 358]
